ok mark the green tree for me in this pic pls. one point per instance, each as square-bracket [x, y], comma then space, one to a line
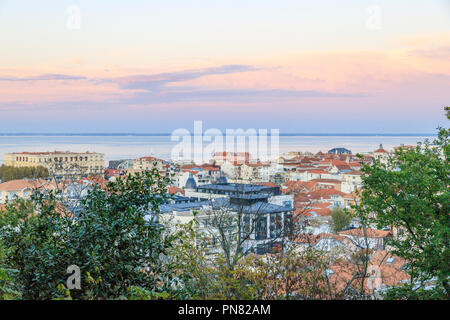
[340, 219]
[118, 250]
[8, 290]
[8, 173]
[190, 263]
[410, 194]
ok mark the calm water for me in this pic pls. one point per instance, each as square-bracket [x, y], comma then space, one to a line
[132, 146]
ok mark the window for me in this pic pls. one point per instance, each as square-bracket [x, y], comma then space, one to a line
[261, 228]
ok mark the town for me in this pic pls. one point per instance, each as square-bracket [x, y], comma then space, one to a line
[314, 192]
[225, 158]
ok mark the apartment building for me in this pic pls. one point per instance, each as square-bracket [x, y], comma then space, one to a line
[271, 220]
[148, 163]
[60, 164]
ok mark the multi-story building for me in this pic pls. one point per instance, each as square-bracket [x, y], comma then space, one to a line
[351, 181]
[148, 163]
[253, 207]
[237, 157]
[250, 172]
[223, 189]
[60, 164]
[201, 175]
[381, 154]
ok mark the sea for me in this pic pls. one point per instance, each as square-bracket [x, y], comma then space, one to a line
[117, 146]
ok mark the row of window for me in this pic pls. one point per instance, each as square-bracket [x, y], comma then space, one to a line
[60, 159]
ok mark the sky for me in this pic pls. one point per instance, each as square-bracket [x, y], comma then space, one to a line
[324, 66]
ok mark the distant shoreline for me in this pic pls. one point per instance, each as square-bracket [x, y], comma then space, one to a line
[169, 134]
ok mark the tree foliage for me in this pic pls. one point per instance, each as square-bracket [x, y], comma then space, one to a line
[8, 173]
[410, 194]
[118, 250]
[341, 219]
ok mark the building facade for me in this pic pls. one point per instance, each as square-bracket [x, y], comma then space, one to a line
[148, 163]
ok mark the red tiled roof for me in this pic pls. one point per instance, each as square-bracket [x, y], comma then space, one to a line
[333, 236]
[113, 172]
[324, 212]
[318, 171]
[321, 205]
[371, 233]
[297, 186]
[325, 194]
[335, 162]
[257, 164]
[379, 272]
[173, 190]
[20, 184]
[268, 184]
[301, 198]
[327, 181]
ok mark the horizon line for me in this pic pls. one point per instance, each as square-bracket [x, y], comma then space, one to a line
[169, 134]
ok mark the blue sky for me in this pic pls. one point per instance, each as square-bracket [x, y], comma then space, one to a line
[153, 66]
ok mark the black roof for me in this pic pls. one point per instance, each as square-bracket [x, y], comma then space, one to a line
[339, 151]
[190, 182]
